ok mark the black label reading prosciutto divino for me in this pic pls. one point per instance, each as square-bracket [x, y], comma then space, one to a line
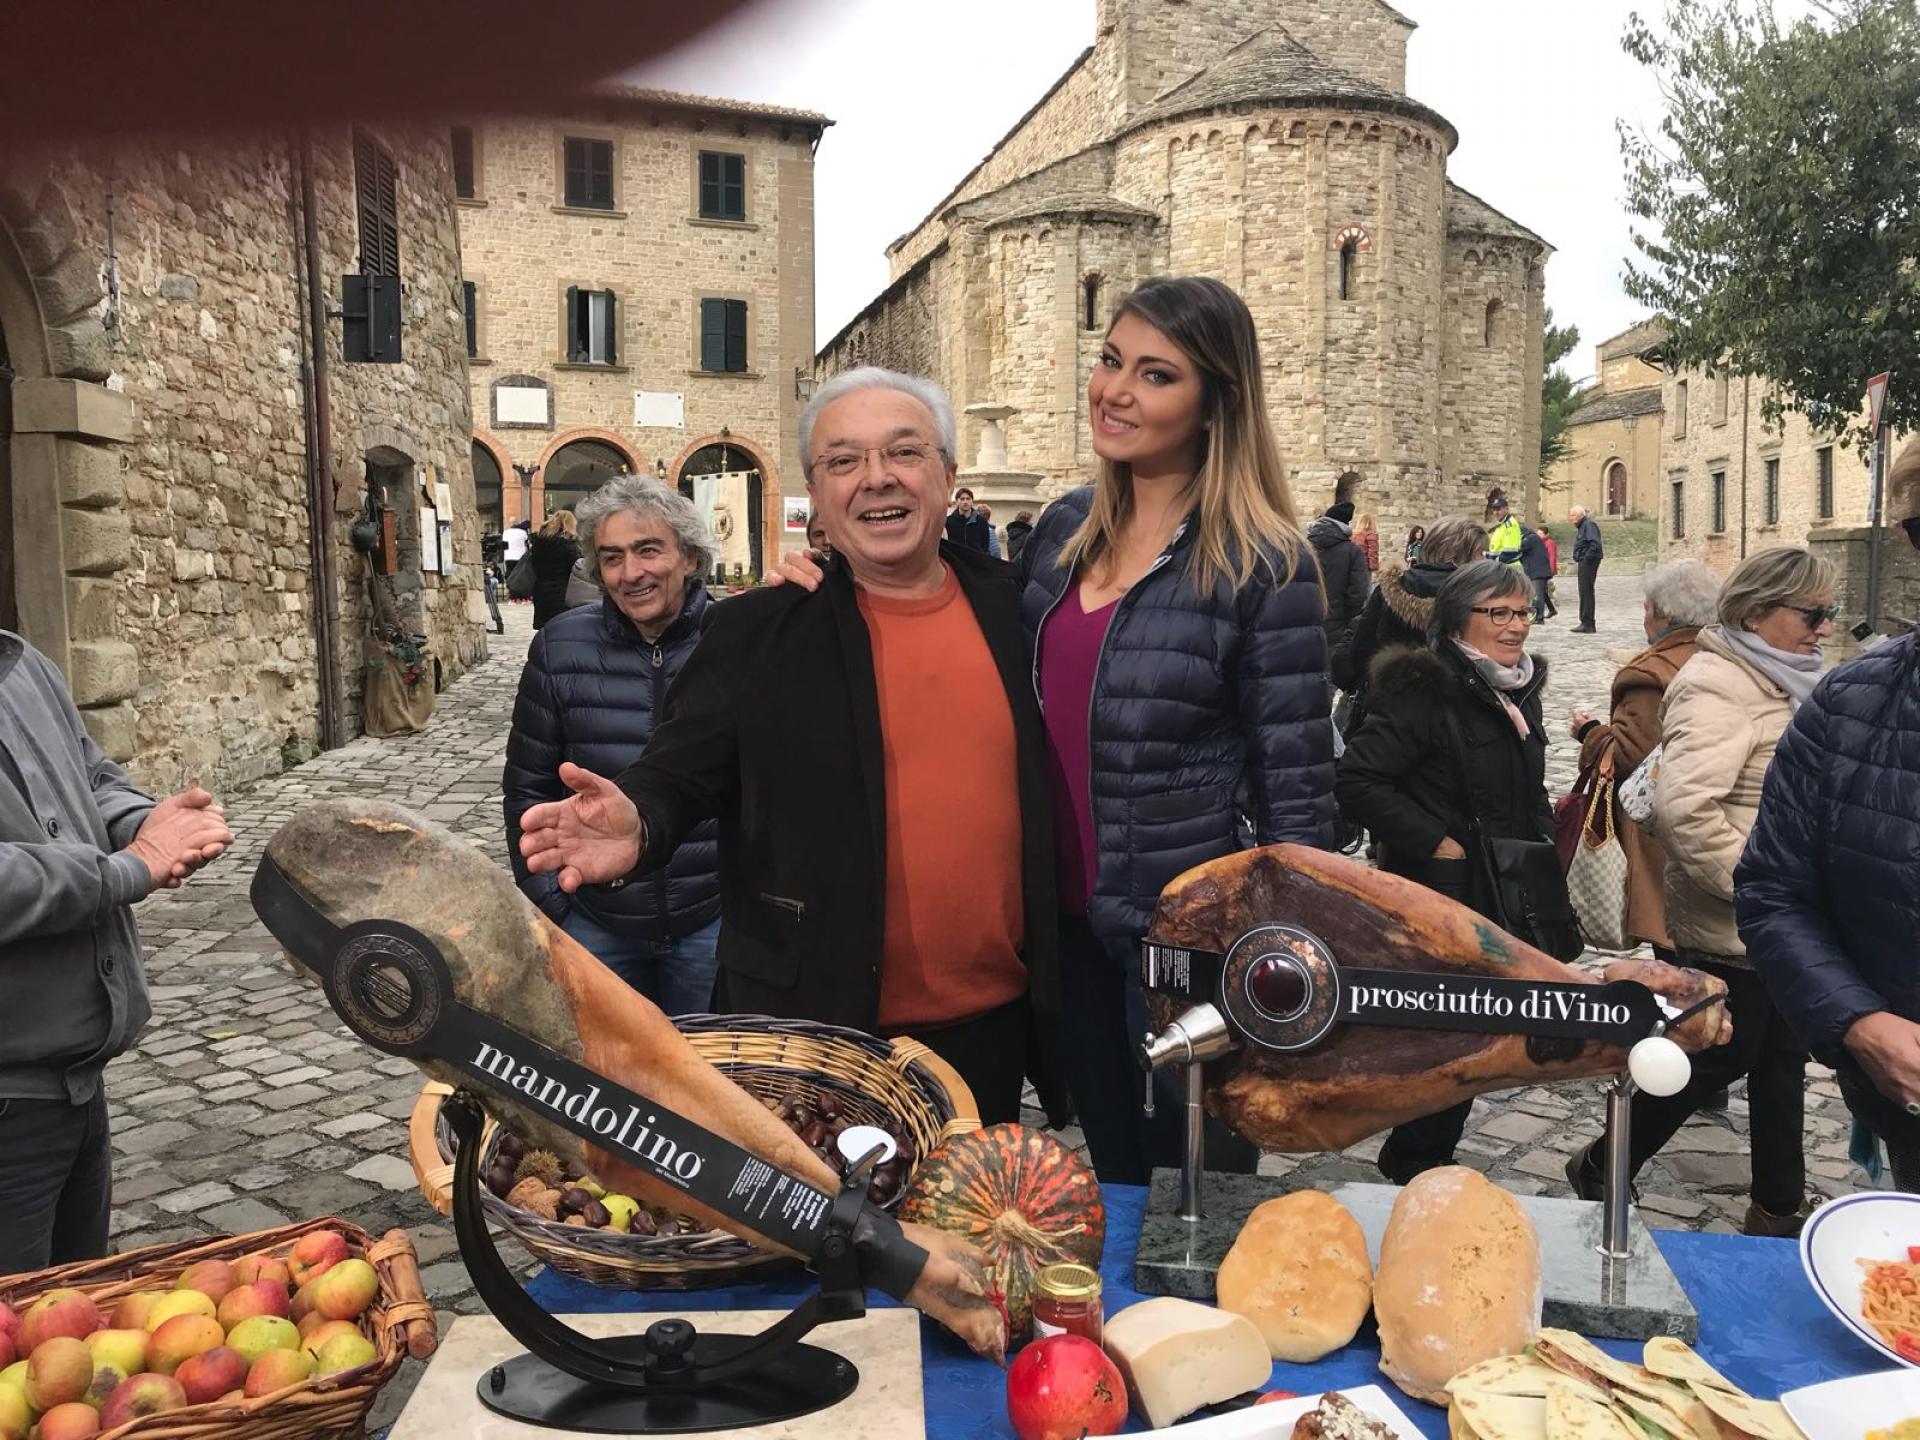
[1620, 1012]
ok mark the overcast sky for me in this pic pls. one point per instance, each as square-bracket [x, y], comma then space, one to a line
[920, 92]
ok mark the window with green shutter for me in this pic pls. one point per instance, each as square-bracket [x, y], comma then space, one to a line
[591, 327]
[723, 335]
[470, 303]
[723, 185]
[589, 173]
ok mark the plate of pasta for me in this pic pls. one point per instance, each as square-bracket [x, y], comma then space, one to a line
[1861, 1254]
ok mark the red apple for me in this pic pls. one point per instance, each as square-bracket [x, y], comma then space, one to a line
[212, 1278]
[1063, 1388]
[211, 1374]
[58, 1371]
[250, 1268]
[9, 1321]
[72, 1421]
[277, 1369]
[346, 1289]
[243, 1302]
[139, 1395]
[315, 1253]
[58, 1312]
[181, 1338]
[130, 1312]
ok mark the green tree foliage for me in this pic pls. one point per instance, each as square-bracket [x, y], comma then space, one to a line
[1558, 396]
[1780, 199]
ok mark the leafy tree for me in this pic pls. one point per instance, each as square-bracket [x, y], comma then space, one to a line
[1780, 199]
[1559, 397]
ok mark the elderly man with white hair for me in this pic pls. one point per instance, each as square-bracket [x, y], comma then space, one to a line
[1588, 551]
[869, 876]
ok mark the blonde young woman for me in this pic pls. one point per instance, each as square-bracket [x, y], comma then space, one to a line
[1175, 620]
[555, 549]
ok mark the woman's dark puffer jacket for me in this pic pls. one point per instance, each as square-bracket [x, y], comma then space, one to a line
[589, 693]
[553, 559]
[1398, 612]
[1400, 779]
[1210, 718]
[1825, 891]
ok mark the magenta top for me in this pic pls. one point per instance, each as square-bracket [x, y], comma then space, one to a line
[1070, 643]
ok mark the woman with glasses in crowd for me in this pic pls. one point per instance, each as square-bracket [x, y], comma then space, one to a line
[1453, 753]
[1722, 716]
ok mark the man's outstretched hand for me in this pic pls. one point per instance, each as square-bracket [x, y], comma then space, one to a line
[179, 835]
[589, 838]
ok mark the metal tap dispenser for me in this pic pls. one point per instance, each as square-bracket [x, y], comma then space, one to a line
[1193, 1037]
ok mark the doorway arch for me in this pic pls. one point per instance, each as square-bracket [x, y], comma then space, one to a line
[728, 486]
[578, 468]
[1615, 488]
[490, 496]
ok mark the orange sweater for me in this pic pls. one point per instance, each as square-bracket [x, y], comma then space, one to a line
[953, 922]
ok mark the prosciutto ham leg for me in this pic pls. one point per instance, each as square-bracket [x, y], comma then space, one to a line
[360, 860]
[1363, 1079]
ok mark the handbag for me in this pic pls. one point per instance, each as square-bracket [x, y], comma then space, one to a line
[1597, 876]
[1570, 814]
[1524, 878]
[520, 578]
[1638, 790]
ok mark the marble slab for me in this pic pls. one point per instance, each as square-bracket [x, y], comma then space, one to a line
[1631, 1299]
[884, 1344]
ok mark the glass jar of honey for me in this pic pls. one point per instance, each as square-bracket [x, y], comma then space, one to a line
[1066, 1301]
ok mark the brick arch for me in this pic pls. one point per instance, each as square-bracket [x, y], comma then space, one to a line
[770, 504]
[587, 432]
[510, 482]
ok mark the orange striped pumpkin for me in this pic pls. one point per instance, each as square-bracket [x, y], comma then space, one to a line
[1024, 1198]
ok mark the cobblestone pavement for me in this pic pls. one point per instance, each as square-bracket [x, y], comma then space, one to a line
[246, 1104]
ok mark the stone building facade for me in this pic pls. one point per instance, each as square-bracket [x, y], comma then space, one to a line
[1612, 465]
[641, 299]
[1735, 484]
[1270, 144]
[159, 421]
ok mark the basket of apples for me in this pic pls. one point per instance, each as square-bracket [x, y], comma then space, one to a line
[281, 1333]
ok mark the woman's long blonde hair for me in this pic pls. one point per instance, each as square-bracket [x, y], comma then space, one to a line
[1241, 509]
[561, 522]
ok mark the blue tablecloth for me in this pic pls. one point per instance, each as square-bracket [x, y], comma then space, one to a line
[1759, 1323]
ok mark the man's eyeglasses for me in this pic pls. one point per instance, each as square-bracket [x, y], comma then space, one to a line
[903, 454]
[1815, 615]
[1504, 614]
[1912, 526]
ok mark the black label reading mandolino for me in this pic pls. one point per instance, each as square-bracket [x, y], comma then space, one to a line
[714, 1171]
[1621, 1012]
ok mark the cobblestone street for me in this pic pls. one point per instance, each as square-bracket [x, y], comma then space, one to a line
[246, 1104]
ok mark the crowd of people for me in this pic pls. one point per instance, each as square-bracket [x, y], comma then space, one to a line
[931, 779]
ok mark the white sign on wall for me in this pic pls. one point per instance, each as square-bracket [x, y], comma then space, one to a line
[660, 409]
[521, 404]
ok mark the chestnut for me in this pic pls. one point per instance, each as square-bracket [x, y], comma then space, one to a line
[642, 1223]
[573, 1200]
[596, 1214]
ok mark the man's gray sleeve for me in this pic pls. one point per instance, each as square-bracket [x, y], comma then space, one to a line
[123, 805]
[51, 889]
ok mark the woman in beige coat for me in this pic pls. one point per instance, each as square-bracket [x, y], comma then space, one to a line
[1722, 716]
[1679, 599]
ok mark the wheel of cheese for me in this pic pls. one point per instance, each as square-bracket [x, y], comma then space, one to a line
[1299, 1271]
[1459, 1280]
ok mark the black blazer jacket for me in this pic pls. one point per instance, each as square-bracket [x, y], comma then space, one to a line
[773, 728]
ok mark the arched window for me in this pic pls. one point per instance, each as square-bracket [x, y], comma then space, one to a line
[1348, 249]
[579, 468]
[1090, 303]
[1493, 322]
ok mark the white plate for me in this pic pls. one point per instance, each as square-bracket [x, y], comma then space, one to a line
[1879, 1225]
[1275, 1421]
[1847, 1409]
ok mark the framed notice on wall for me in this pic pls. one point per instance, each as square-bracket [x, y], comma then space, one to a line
[429, 540]
[446, 547]
[794, 509]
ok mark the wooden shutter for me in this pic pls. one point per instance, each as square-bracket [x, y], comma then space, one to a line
[462, 139]
[710, 200]
[613, 330]
[733, 186]
[469, 303]
[713, 334]
[575, 184]
[736, 334]
[376, 181]
[573, 323]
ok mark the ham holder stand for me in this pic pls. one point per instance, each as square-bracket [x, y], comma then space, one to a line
[1280, 987]
[391, 985]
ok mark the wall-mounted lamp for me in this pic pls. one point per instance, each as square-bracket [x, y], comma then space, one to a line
[803, 384]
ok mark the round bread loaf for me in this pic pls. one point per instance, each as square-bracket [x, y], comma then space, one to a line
[1299, 1271]
[1459, 1280]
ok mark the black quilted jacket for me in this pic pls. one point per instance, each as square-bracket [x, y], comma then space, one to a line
[1827, 892]
[1210, 722]
[589, 693]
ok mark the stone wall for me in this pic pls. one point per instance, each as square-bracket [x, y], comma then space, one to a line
[1737, 442]
[185, 615]
[1848, 547]
[660, 258]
